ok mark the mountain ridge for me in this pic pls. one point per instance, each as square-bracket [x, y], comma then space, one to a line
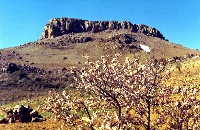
[60, 26]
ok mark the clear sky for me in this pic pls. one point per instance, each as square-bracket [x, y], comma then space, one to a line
[22, 21]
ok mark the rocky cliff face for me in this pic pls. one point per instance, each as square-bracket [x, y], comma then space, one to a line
[60, 26]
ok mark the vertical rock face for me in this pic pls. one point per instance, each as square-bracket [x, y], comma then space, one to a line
[60, 26]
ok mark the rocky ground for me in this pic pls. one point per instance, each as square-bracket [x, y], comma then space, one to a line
[26, 82]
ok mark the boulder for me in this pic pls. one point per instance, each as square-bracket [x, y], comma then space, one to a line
[38, 119]
[11, 120]
[4, 120]
[34, 113]
[9, 113]
[9, 67]
[18, 108]
[22, 113]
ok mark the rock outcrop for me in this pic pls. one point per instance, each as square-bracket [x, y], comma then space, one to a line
[7, 67]
[60, 26]
[22, 113]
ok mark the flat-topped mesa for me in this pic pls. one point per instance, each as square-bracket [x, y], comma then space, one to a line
[60, 26]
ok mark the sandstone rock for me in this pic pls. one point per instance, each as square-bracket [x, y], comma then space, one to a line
[11, 120]
[4, 120]
[64, 58]
[29, 108]
[34, 113]
[18, 108]
[22, 114]
[9, 67]
[38, 119]
[9, 113]
[60, 26]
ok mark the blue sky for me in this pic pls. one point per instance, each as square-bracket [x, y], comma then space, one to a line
[22, 21]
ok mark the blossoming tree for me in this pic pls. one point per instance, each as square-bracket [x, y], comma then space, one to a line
[115, 95]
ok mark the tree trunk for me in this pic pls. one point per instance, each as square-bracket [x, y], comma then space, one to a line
[180, 125]
[186, 125]
[149, 114]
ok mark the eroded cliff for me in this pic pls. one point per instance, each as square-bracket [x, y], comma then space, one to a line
[60, 26]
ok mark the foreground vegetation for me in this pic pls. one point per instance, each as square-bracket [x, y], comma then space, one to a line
[111, 95]
[119, 100]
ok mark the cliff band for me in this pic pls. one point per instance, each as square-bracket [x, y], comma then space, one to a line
[60, 26]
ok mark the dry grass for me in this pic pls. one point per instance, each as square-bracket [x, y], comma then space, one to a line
[47, 125]
[43, 56]
[50, 59]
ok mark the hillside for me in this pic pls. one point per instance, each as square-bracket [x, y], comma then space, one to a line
[29, 71]
[65, 42]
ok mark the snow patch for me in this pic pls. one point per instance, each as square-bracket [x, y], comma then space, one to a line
[145, 48]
